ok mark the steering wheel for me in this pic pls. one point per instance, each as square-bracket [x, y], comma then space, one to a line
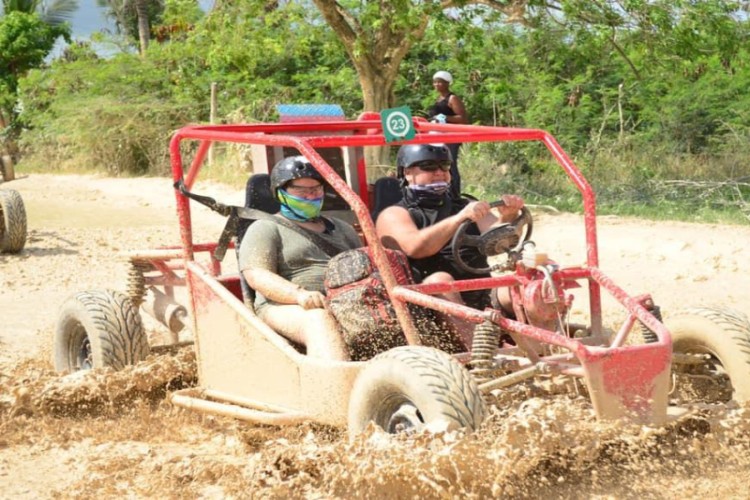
[498, 240]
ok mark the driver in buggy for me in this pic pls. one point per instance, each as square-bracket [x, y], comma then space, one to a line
[424, 222]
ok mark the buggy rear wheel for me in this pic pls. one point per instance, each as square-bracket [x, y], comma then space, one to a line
[717, 342]
[408, 389]
[12, 221]
[97, 329]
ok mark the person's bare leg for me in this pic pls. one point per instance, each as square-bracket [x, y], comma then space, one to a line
[316, 329]
[323, 337]
[503, 298]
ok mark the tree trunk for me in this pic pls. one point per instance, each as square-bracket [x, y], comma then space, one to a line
[6, 162]
[144, 30]
[376, 56]
[377, 93]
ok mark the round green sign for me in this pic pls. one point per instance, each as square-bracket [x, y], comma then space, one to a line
[397, 124]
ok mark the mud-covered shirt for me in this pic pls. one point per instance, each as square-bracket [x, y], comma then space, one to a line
[283, 251]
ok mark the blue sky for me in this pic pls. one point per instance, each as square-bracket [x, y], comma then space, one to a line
[89, 18]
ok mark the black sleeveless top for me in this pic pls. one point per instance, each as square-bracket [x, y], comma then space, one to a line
[441, 107]
[424, 216]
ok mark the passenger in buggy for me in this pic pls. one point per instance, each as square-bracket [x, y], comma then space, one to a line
[284, 260]
[423, 223]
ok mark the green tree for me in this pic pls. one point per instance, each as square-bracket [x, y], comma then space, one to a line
[26, 40]
[378, 35]
[54, 13]
[134, 18]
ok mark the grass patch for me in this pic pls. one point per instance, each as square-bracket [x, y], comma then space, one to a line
[659, 187]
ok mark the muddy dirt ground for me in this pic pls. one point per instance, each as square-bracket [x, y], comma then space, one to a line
[114, 435]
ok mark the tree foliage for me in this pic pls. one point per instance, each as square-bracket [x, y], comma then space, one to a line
[26, 40]
[636, 89]
[54, 13]
[135, 18]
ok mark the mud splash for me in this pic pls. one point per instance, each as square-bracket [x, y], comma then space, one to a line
[129, 441]
[34, 389]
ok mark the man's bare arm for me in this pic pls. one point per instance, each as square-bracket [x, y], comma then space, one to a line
[281, 290]
[397, 230]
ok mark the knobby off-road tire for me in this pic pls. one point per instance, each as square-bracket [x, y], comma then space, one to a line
[722, 336]
[409, 388]
[97, 329]
[12, 221]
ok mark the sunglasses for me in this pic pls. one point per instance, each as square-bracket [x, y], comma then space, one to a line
[305, 190]
[432, 166]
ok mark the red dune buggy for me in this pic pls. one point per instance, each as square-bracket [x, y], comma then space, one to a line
[248, 371]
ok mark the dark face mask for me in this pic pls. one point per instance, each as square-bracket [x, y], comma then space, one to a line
[429, 195]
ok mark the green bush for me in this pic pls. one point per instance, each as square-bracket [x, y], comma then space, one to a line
[115, 117]
[657, 119]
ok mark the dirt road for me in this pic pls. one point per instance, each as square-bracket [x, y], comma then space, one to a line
[534, 446]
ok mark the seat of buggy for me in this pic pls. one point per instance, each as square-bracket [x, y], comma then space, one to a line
[386, 192]
[258, 195]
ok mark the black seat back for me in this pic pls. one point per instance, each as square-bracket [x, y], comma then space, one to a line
[387, 192]
[258, 195]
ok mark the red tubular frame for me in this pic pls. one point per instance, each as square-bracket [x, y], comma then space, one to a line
[596, 363]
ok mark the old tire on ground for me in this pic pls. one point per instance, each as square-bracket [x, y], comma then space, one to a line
[409, 388]
[721, 338]
[97, 329]
[12, 221]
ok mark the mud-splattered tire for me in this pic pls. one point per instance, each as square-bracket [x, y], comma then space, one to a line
[12, 221]
[409, 388]
[96, 329]
[722, 336]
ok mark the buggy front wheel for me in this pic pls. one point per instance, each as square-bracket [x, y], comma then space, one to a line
[96, 329]
[411, 388]
[712, 347]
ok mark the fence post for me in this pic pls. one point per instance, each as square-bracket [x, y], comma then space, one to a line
[212, 120]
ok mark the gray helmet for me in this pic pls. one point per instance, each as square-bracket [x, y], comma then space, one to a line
[412, 154]
[294, 167]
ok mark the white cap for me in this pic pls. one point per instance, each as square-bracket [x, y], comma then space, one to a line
[443, 75]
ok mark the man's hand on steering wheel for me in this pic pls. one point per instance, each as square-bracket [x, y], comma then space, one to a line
[506, 236]
[512, 204]
[474, 211]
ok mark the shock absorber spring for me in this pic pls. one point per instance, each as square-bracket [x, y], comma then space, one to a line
[483, 348]
[649, 336]
[137, 281]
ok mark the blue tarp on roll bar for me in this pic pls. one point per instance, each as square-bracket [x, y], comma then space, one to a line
[309, 112]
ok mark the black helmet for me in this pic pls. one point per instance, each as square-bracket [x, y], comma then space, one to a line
[411, 154]
[294, 167]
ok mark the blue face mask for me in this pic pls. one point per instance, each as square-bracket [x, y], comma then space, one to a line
[299, 209]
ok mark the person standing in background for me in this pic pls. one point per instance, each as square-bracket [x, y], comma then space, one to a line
[449, 108]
